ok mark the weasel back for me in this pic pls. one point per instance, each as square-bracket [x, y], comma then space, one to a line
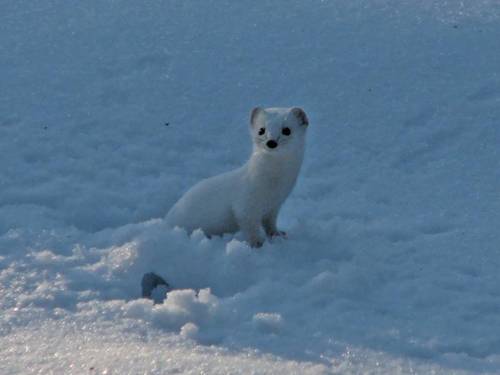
[207, 206]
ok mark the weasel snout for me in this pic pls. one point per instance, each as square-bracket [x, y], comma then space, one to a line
[271, 144]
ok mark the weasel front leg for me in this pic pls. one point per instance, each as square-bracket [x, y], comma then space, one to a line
[251, 230]
[269, 224]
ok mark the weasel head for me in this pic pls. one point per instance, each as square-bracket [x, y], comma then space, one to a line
[278, 130]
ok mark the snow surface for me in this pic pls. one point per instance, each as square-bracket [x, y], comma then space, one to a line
[110, 110]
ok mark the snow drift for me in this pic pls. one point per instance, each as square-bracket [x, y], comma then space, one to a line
[110, 110]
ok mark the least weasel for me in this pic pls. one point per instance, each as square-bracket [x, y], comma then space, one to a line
[249, 198]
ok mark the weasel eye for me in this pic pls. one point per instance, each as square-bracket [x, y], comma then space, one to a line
[262, 131]
[286, 131]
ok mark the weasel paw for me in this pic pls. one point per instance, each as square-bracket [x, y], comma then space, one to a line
[256, 243]
[278, 233]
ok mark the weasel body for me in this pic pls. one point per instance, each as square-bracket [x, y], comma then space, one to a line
[249, 198]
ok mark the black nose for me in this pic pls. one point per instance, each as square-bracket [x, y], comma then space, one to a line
[271, 144]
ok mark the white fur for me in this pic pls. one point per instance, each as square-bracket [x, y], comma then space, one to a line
[249, 198]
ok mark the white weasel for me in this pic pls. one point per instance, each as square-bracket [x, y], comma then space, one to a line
[250, 197]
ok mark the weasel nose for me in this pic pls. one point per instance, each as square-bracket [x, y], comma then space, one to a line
[271, 144]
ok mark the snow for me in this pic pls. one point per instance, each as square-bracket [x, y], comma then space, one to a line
[109, 111]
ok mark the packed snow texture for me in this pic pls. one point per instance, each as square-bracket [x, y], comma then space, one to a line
[109, 111]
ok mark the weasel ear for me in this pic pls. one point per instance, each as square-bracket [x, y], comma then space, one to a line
[253, 115]
[301, 115]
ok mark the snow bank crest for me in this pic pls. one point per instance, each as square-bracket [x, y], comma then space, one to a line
[180, 308]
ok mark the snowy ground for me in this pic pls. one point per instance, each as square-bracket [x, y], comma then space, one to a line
[110, 110]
